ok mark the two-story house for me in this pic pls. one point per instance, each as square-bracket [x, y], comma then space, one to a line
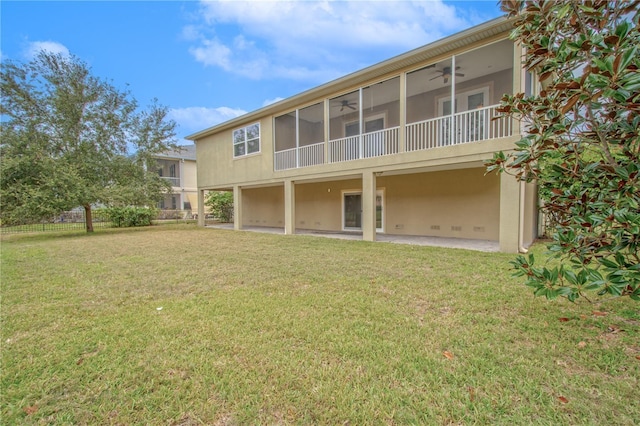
[179, 168]
[394, 148]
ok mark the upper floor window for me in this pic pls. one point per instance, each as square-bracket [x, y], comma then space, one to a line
[246, 140]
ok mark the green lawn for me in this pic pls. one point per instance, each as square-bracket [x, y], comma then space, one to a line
[179, 325]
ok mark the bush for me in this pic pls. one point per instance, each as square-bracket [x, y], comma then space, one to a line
[125, 217]
[221, 205]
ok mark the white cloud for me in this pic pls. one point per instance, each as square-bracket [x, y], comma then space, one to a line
[212, 52]
[35, 47]
[315, 40]
[193, 119]
[271, 101]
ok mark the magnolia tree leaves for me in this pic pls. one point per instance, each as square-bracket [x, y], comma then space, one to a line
[581, 143]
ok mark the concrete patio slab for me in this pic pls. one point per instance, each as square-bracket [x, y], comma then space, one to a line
[461, 243]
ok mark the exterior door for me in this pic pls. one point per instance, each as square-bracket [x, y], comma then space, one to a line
[352, 211]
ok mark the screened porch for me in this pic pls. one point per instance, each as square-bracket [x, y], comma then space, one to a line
[410, 112]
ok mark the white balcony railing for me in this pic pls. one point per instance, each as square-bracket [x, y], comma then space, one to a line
[468, 126]
[344, 149]
[304, 156]
[427, 134]
[311, 155]
[382, 142]
[285, 159]
[175, 181]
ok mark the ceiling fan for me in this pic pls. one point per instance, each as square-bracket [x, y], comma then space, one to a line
[348, 104]
[445, 73]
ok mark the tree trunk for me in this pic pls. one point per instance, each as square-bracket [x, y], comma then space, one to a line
[87, 216]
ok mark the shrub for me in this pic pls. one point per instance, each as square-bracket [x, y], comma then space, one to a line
[125, 217]
[221, 205]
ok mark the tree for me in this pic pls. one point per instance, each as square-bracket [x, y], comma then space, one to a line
[70, 139]
[221, 205]
[581, 143]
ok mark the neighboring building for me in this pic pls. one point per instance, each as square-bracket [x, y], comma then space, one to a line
[179, 168]
[383, 151]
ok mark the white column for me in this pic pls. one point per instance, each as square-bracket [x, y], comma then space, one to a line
[327, 129]
[237, 207]
[181, 176]
[289, 207]
[369, 206]
[403, 112]
[201, 207]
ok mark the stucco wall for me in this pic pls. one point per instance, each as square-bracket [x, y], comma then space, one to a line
[217, 166]
[189, 175]
[455, 203]
[263, 206]
[319, 205]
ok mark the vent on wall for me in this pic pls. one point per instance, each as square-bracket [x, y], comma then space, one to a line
[456, 228]
[435, 227]
[399, 226]
[478, 229]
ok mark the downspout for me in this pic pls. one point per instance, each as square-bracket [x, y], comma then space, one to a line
[521, 248]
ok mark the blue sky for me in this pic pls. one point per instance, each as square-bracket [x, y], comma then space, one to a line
[212, 61]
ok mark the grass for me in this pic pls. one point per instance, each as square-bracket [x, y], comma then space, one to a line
[180, 325]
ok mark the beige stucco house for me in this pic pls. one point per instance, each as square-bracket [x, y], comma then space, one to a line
[179, 168]
[382, 150]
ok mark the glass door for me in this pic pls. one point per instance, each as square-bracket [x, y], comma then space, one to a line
[352, 211]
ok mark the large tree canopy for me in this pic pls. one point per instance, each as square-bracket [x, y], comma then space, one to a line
[582, 142]
[70, 139]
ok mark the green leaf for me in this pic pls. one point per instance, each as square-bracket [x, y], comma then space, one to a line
[627, 57]
[622, 29]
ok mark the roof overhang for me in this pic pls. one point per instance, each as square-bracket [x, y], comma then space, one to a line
[422, 54]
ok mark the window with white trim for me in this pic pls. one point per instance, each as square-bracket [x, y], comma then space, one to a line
[246, 140]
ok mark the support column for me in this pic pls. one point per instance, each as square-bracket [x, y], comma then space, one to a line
[289, 207]
[181, 177]
[403, 113]
[369, 206]
[509, 213]
[201, 213]
[237, 208]
[519, 71]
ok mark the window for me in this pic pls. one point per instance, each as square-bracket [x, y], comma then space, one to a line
[465, 101]
[371, 124]
[246, 140]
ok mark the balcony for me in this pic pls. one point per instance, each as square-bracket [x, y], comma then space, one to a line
[468, 127]
[174, 181]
